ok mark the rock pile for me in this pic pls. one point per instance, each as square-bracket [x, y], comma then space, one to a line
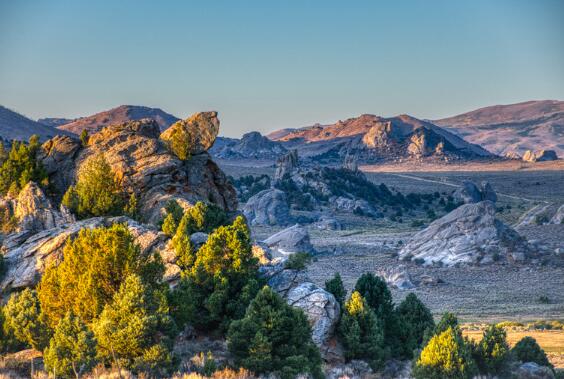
[540, 156]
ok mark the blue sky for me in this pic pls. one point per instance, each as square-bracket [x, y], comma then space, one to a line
[271, 64]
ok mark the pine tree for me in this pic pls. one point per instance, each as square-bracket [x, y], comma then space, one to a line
[414, 319]
[84, 137]
[336, 287]
[528, 350]
[25, 321]
[274, 337]
[21, 166]
[132, 207]
[493, 351]
[72, 350]
[445, 356]
[361, 332]
[127, 329]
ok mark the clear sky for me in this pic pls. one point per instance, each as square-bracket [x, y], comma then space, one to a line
[271, 64]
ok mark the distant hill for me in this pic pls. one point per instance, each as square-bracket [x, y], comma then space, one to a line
[532, 125]
[373, 138]
[252, 145]
[54, 121]
[16, 126]
[119, 115]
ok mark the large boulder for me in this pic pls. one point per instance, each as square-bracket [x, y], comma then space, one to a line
[397, 277]
[281, 279]
[539, 156]
[286, 164]
[468, 234]
[470, 193]
[144, 166]
[268, 207]
[531, 370]
[202, 128]
[294, 239]
[34, 211]
[321, 309]
[28, 254]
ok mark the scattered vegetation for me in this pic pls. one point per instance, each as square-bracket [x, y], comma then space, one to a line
[181, 142]
[20, 166]
[298, 261]
[249, 185]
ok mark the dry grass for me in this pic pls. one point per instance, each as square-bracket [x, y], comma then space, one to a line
[552, 341]
[479, 166]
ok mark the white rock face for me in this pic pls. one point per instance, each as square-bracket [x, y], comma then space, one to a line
[558, 217]
[320, 307]
[397, 277]
[468, 234]
[34, 211]
[531, 370]
[268, 207]
[294, 239]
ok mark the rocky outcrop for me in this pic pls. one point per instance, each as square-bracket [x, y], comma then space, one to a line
[294, 239]
[27, 254]
[145, 166]
[202, 128]
[34, 211]
[252, 145]
[470, 193]
[286, 164]
[397, 277]
[469, 234]
[281, 279]
[358, 206]
[531, 370]
[512, 155]
[558, 217]
[328, 223]
[268, 207]
[539, 156]
[320, 307]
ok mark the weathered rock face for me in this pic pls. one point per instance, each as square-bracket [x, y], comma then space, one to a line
[512, 155]
[286, 164]
[268, 207]
[469, 234]
[397, 277]
[34, 210]
[328, 223]
[294, 239]
[27, 254]
[531, 370]
[202, 128]
[144, 165]
[358, 206]
[320, 307]
[282, 280]
[351, 162]
[539, 156]
[558, 217]
[470, 193]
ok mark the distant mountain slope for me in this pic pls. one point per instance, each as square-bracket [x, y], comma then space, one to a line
[54, 121]
[119, 115]
[375, 138]
[532, 125]
[252, 145]
[16, 126]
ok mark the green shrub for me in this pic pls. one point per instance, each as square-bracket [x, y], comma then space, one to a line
[84, 137]
[336, 287]
[361, 332]
[93, 268]
[25, 321]
[127, 330]
[21, 166]
[298, 261]
[448, 320]
[274, 337]
[223, 279]
[493, 351]
[169, 225]
[131, 209]
[181, 142]
[414, 320]
[72, 350]
[528, 350]
[445, 356]
[97, 191]
[8, 222]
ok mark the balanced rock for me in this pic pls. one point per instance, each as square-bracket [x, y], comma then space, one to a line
[468, 234]
[202, 129]
[268, 207]
[294, 239]
[540, 156]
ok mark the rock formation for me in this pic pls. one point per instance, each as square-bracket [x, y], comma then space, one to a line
[468, 234]
[34, 211]
[268, 207]
[202, 128]
[252, 145]
[144, 164]
[294, 239]
[558, 217]
[397, 277]
[286, 164]
[470, 193]
[539, 156]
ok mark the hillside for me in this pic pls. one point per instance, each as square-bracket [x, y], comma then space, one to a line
[252, 145]
[375, 138]
[16, 126]
[532, 125]
[121, 114]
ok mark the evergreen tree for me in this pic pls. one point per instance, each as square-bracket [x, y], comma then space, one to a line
[361, 332]
[203, 217]
[21, 166]
[131, 209]
[127, 330]
[25, 321]
[445, 356]
[93, 267]
[448, 320]
[72, 350]
[224, 277]
[274, 337]
[336, 287]
[97, 191]
[169, 225]
[414, 319]
[377, 295]
[493, 351]
[84, 137]
[528, 350]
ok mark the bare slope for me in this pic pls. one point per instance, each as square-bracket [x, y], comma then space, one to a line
[121, 114]
[531, 125]
[16, 126]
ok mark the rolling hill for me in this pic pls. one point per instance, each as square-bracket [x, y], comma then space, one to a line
[532, 125]
[16, 126]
